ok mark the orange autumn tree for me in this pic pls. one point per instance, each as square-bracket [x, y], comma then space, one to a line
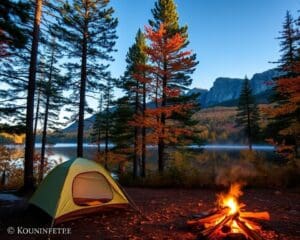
[289, 109]
[167, 61]
[285, 111]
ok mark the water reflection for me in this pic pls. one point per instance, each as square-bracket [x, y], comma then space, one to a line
[12, 156]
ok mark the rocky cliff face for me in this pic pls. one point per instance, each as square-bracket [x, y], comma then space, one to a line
[224, 89]
[228, 89]
[260, 82]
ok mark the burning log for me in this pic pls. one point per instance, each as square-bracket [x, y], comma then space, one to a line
[254, 225]
[250, 233]
[257, 215]
[209, 231]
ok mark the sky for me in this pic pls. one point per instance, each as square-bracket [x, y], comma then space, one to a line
[232, 38]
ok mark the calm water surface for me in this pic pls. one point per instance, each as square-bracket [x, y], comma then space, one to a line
[61, 152]
[65, 151]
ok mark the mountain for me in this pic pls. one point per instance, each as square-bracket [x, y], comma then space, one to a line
[223, 89]
[88, 124]
[226, 91]
[203, 93]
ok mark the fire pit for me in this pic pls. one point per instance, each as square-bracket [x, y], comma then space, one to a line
[229, 220]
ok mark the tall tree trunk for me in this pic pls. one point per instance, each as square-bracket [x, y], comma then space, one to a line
[249, 131]
[98, 140]
[107, 125]
[143, 170]
[99, 126]
[135, 158]
[156, 96]
[37, 113]
[161, 142]
[159, 145]
[44, 134]
[106, 136]
[44, 139]
[29, 142]
[106, 147]
[136, 137]
[82, 93]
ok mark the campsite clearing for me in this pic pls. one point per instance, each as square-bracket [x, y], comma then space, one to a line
[166, 212]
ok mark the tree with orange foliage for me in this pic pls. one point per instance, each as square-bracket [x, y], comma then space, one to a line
[285, 113]
[167, 61]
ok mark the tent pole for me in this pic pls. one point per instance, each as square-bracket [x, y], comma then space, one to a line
[131, 202]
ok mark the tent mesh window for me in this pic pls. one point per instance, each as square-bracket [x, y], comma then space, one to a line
[91, 188]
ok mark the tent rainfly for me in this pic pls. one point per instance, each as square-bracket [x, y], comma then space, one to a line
[77, 187]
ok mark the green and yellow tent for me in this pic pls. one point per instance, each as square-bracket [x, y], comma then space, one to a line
[77, 187]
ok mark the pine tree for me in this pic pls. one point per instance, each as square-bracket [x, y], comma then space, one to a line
[135, 90]
[165, 12]
[108, 104]
[14, 65]
[96, 134]
[24, 36]
[15, 75]
[284, 127]
[288, 44]
[166, 62]
[104, 120]
[29, 142]
[123, 132]
[13, 16]
[248, 114]
[52, 99]
[88, 29]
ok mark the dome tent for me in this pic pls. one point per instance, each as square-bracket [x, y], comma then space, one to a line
[77, 187]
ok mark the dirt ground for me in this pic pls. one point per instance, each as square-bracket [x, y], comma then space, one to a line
[164, 216]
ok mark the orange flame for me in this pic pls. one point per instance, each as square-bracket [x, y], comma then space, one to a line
[230, 199]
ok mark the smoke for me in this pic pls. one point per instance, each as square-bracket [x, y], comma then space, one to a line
[237, 173]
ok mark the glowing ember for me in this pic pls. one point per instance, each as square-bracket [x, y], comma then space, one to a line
[230, 218]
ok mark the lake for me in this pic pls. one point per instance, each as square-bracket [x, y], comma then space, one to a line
[61, 152]
[209, 157]
[64, 151]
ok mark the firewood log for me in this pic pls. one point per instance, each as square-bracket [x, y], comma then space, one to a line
[250, 233]
[209, 231]
[219, 214]
[254, 225]
[257, 215]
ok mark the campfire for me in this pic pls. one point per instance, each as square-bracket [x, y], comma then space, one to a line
[229, 220]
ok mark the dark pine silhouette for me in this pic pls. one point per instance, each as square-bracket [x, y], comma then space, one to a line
[88, 29]
[29, 142]
[248, 114]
